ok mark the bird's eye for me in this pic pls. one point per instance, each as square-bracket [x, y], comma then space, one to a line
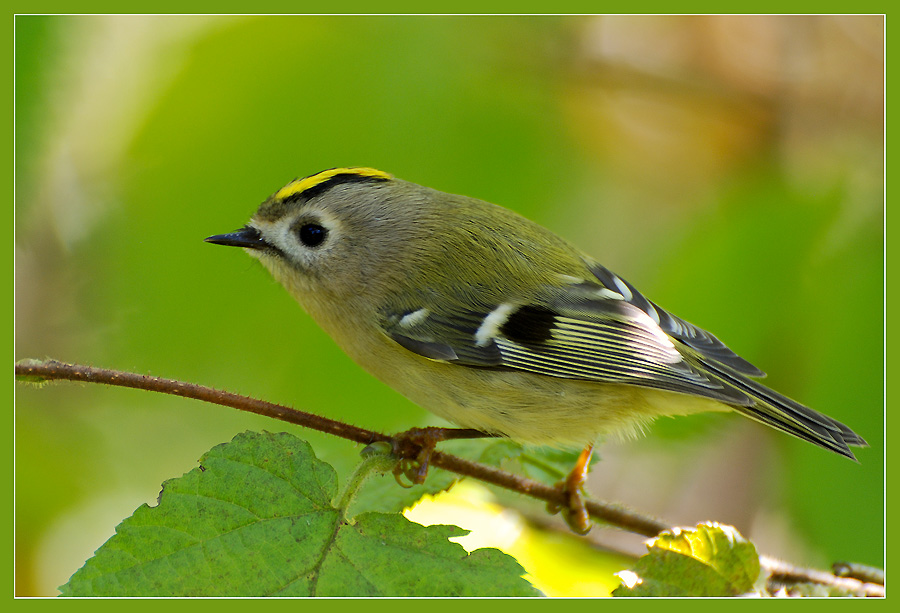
[312, 235]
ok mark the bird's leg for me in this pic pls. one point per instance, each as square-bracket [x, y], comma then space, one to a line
[415, 446]
[574, 512]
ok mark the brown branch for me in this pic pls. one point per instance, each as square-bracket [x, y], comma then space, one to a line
[784, 574]
[41, 371]
[51, 369]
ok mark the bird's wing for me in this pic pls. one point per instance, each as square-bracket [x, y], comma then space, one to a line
[591, 330]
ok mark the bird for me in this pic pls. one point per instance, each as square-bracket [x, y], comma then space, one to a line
[497, 324]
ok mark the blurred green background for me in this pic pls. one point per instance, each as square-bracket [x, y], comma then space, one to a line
[730, 167]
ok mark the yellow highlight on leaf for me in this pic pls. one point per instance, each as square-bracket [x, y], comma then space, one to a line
[558, 564]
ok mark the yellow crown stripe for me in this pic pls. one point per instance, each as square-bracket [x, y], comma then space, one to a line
[301, 185]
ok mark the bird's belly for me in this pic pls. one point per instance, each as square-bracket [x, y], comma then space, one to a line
[538, 409]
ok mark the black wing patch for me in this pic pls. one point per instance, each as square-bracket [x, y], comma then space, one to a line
[529, 325]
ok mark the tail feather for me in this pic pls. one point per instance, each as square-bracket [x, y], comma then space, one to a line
[782, 413]
[823, 438]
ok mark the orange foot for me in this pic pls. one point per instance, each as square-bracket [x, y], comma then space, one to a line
[574, 512]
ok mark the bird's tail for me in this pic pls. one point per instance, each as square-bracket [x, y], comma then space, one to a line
[782, 413]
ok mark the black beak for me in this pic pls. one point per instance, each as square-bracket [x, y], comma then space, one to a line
[245, 237]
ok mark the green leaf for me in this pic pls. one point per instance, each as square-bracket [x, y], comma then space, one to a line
[382, 493]
[402, 558]
[711, 560]
[257, 519]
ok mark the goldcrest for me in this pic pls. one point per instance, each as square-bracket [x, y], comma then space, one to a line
[495, 323]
